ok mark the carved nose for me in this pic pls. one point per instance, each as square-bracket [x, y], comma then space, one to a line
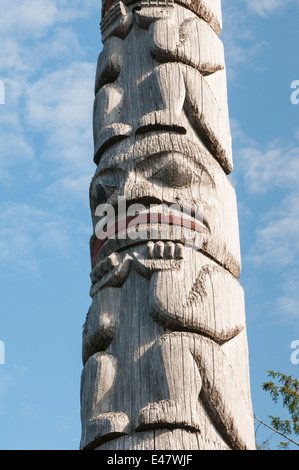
[127, 185]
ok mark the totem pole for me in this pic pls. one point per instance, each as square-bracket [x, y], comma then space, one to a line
[164, 343]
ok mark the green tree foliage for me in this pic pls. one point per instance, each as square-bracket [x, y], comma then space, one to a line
[284, 389]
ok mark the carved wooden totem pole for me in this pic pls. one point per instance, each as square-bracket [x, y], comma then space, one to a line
[164, 343]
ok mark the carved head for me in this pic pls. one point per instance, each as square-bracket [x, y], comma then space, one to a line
[148, 149]
[209, 10]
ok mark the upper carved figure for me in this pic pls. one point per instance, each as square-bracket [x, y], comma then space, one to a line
[209, 10]
[170, 79]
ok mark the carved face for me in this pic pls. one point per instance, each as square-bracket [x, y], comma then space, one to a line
[160, 133]
[192, 180]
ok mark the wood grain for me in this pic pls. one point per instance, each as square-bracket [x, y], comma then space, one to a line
[165, 350]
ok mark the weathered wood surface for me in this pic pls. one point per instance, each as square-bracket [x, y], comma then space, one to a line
[164, 343]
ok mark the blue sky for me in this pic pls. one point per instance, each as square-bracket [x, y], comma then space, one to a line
[48, 55]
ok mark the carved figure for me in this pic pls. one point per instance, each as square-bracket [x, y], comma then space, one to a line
[164, 343]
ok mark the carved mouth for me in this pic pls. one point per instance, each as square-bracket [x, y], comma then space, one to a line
[108, 6]
[149, 225]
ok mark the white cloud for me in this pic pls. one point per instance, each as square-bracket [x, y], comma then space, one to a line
[7, 382]
[262, 7]
[49, 93]
[59, 106]
[242, 48]
[10, 380]
[34, 32]
[27, 231]
[56, 49]
[277, 241]
[34, 15]
[62, 99]
[15, 151]
[270, 174]
[239, 38]
[288, 303]
[270, 168]
[70, 189]
[37, 16]
[11, 57]
[267, 167]
[45, 127]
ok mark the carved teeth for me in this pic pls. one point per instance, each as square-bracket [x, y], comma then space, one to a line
[150, 250]
[161, 250]
[179, 251]
[169, 250]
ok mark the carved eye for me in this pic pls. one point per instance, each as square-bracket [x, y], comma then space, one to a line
[176, 173]
[112, 177]
[107, 181]
[98, 196]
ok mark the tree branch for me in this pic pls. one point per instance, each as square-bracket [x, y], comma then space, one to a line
[270, 427]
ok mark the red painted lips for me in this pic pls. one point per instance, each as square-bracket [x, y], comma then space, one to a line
[121, 227]
[108, 6]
